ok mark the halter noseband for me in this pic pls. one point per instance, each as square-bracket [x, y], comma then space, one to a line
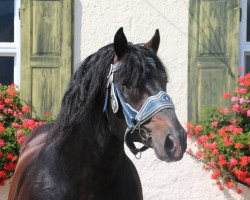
[134, 118]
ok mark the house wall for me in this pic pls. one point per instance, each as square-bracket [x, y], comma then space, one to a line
[96, 22]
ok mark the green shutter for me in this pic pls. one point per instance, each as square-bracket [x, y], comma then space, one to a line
[212, 52]
[46, 53]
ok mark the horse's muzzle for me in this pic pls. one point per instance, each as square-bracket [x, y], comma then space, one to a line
[174, 147]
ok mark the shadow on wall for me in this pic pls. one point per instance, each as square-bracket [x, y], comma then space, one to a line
[243, 196]
[77, 32]
[4, 190]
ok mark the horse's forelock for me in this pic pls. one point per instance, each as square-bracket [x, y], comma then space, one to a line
[136, 66]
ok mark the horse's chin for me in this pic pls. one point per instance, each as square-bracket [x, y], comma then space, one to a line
[161, 156]
[164, 157]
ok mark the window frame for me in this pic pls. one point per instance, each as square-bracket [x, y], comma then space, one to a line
[12, 49]
[244, 45]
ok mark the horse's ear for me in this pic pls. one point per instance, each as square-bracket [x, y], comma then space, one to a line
[120, 43]
[154, 42]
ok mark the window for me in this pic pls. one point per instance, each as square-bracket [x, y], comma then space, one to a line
[9, 42]
[244, 60]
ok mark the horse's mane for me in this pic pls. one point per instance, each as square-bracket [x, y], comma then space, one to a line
[86, 89]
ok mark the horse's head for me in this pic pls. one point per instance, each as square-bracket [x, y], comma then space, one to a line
[137, 103]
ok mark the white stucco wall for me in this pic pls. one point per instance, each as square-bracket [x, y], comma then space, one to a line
[96, 22]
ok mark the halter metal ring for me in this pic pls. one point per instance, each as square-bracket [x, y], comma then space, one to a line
[144, 136]
[139, 153]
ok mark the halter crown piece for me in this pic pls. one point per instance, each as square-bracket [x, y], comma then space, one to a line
[134, 118]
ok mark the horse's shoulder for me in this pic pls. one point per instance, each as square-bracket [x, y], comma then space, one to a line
[30, 148]
[36, 136]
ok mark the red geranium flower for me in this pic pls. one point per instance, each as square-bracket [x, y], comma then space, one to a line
[227, 141]
[9, 166]
[202, 139]
[224, 111]
[222, 162]
[215, 151]
[215, 174]
[230, 128]
[238, 190]
[198, 154]
[247, 180]
[241, 80]
[211, 135]
[9, 156]
[15, 125]
[244, 161]
[11, 91]
[241, 175]
[47, 114]
[238, 146]
[2, 143]
[246, 82]
[198, 128]
[2, 129]
[25, 109]
[19, 133]
[20, 140]
[248, 112]
[215, 123]
[236, 108]
[8, 100]
[220, 187]
[229, 184]
[233, 162]
[227, 95]
[29, 123]
[222, 132]
[3, 174]
[14, 158]
[240, 90]
[237, 130]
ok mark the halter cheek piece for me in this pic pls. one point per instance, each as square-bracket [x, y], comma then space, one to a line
[134, 118]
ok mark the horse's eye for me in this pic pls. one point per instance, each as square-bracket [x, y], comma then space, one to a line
[127, 83]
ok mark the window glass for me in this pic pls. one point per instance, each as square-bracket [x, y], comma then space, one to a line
[7, 70]
[6, 20]
[247, 67]
[248, 20]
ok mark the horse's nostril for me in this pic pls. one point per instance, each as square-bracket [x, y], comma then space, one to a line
[169, 143]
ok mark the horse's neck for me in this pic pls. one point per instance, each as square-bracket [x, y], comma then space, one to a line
[89, 153]
[99, 165]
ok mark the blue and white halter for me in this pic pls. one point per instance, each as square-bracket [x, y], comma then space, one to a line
[134, 118]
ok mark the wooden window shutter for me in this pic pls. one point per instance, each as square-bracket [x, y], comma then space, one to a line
[212, 53]
[46, 52]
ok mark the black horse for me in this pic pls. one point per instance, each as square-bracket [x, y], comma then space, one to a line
[116, 95]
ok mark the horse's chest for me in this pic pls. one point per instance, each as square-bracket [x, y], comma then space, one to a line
[120, 186]
[114, 194]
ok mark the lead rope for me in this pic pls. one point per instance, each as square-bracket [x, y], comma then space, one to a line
[224, 173]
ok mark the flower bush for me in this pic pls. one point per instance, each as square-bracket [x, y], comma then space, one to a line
[223, 138]
[15, 124]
